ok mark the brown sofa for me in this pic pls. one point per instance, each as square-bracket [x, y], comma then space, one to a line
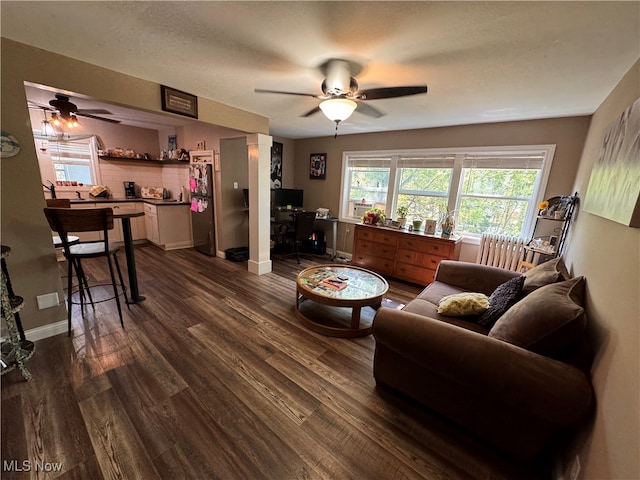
[516, 385]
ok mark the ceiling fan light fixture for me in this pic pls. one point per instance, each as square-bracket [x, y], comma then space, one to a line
[338, 109]
[55, 120]
[73, 121]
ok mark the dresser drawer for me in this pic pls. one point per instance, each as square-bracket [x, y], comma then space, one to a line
[431, 261]
[377, 264]
[409, 256]
[412, 273]
[379, 236]
[375, 249]
[439, 248]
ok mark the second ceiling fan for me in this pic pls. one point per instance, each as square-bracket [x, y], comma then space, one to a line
[341, 94]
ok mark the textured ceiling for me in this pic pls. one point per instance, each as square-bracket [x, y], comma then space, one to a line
[483, 61]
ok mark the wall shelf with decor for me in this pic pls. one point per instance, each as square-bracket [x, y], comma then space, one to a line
[146, 161]
[558, 210]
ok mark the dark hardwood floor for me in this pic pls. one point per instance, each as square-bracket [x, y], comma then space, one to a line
[213, 377]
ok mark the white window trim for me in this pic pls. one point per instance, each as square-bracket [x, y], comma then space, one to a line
[48, 173]
[548, 150]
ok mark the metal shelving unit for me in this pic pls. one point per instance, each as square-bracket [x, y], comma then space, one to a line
[566, 206]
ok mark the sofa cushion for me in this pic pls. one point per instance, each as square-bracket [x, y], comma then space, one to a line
[501, 300]
[548, 272]
[435, 291]
[430, 310]
[548, 321]
[463, 304]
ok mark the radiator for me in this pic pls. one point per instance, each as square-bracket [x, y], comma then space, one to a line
[501, 251]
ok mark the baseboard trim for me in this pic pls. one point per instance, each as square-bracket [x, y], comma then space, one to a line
[46, 331]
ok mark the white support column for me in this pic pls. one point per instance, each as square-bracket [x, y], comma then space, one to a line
[259, 158]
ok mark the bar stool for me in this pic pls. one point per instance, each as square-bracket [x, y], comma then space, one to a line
[65, 220]
[73, 239]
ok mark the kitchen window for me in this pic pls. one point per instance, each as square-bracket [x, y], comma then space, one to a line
[492, 190]
[73, 160]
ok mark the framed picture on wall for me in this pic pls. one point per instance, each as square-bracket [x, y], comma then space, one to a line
[173, 142]
[276, 165]
[318, 166]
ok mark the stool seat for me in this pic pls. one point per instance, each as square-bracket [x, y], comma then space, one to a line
[57, 241]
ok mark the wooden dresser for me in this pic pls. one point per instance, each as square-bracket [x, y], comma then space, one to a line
[409, 256]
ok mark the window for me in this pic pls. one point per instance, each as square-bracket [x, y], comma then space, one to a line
[73, 160]
[492, 190]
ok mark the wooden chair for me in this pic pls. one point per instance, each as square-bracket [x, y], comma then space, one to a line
[65, 220]
[58, 202]
[302, 230]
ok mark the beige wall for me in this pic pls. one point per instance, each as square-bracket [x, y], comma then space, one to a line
[567, 134]
[33, 264]
[608, 255]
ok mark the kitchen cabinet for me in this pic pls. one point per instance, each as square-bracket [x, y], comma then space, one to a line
[115, 236]
[409, 256]
[168, 226]
[151, 223]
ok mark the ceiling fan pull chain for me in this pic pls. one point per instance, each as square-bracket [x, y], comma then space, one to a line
[336, 134]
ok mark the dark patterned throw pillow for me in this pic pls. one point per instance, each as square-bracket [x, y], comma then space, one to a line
[501, 300]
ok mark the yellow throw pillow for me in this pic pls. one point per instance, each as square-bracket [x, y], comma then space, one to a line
[463, 304]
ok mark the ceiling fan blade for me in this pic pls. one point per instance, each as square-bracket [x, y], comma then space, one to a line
[39, 106]
[311, 112]
[94, 111]
[391, 92]
[261, 90]
[94, 117]
[369, 110]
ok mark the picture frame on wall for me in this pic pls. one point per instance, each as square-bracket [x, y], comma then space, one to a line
[176, 101]
[318, 166]
[172, 142]
[276, 165]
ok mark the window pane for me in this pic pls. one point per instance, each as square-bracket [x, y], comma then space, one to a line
[368, 185]
[424, 192]
[486, 215]
[72, 161]
[499, 182]
[423, 207]
[425, 180]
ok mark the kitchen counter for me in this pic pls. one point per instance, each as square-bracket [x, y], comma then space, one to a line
[151, 201]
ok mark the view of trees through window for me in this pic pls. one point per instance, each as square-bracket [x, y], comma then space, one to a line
[424, 191]
[496, 193]
[495, 200]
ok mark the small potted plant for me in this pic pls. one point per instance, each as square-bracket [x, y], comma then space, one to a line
[402, 212]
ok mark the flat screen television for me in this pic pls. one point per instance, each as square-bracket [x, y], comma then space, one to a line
[283, 197]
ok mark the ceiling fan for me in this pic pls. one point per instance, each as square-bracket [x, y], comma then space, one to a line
[341, 94]
[65, 111]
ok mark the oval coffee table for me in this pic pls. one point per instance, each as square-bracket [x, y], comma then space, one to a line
[339, 286]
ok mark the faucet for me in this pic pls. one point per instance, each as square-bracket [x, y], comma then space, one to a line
[79, 195]
[51, 188]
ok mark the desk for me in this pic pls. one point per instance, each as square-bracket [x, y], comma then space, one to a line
[125, 218]
[276, 223]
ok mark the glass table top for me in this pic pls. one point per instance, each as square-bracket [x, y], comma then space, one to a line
[342, 282]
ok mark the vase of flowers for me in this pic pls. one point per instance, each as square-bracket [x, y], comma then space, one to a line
[543, 208]
[374, 216]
